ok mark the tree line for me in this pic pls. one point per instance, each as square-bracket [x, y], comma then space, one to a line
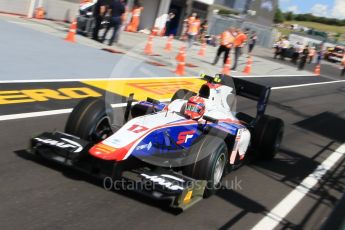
[280, 17]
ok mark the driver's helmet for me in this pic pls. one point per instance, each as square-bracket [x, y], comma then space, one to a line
[195, 108]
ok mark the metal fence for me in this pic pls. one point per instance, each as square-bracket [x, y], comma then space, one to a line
[266, 35]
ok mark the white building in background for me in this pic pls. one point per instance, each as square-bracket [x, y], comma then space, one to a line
[68, 9]
[155, 11]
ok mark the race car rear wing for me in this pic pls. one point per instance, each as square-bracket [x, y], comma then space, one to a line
[245, 88]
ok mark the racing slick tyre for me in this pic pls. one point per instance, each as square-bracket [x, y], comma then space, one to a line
[211, 154]
[90, 120]
[184, 94]
[267, 136]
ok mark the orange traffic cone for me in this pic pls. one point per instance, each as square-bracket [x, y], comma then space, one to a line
[71, 33]
[181, 56]
[227, 66]
[162, 33]
[202, 51]
[180, 68]
[148, 48]
[39, 13]
[317, 70]
[248, 67]
[168, 46]
[155, 31]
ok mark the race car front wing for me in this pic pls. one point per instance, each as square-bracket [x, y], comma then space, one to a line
[154, 182]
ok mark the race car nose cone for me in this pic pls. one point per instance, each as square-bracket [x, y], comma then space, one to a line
[106, 152]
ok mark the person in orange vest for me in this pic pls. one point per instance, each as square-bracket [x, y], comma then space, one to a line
[239, 42]
[193, 29]
[191, 18]
[343, 64]
[135, 21]
[226, 43]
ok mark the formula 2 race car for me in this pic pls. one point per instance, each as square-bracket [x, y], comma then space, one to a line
[177, 151]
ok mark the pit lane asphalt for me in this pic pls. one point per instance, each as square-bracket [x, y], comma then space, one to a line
[38, 195]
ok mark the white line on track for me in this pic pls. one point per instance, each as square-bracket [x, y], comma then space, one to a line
[46, 113]
[54, 112]
[284, 207]
[34, 114]
[91, 79]
[277, 76]
[309, 84]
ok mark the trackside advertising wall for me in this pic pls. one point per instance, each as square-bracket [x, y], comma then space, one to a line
[65, 10]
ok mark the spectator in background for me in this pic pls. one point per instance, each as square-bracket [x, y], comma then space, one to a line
[171, 16]
[116, 11]
[135, 21]
[297, 50]
[193, 29]
[284, 47]
[213, 41]
[99, 11]
[252, 42]
[239, 42]
[303, 58]
[319, 54]
[311, 55]
[183, 36]
[343, 64]
[123, 21]
[185, 27]
[191, 18]
[226, 42]
[203, 29]
[277, 48]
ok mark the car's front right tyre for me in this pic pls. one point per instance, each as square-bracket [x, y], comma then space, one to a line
[211, 159]
[90, 120]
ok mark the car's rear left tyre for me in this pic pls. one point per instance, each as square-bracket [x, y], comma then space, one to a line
[267, 137]
[184, 94]
[90, 120]
[211, 158]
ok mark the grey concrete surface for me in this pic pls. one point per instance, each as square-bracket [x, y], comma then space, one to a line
[133, 45]
[29, 54]
[55, 9]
